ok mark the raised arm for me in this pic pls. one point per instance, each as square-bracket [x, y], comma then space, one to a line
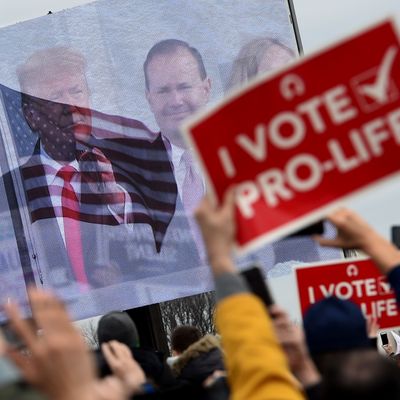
[256, 364]
[353, 232]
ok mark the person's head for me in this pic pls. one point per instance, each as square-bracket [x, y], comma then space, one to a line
[176, 85]
[257, 56]
[361, 375]
[55, 92]
[182, 337]
[333, 325]
[118, 325]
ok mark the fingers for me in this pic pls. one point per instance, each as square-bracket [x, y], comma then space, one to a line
[108, 354]
[20, 326]
[229, 197]
[109, 388]
[206, 205]
[3, 344]
[344, 218]
[336, 242]
[372, 326]
[277, 312]
[49, 312]
[339, 214]
[28, 336]
[228, 205]
[203, 209]
[116, 353]
[123, 365]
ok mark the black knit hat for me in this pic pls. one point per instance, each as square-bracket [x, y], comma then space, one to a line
[334, 325]
[118, 325]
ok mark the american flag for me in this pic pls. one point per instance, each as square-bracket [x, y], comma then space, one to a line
[116, 149]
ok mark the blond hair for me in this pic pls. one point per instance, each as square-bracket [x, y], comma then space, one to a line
[46, 64]
[246, 64]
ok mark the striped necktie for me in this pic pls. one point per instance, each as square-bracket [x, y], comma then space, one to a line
[72, 228]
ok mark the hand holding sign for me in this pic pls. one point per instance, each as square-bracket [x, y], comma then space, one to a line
[218, 229]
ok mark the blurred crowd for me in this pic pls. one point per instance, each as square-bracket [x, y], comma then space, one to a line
[258, 352]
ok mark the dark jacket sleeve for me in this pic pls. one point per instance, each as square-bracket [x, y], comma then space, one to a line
[314, 392]
[394, 280]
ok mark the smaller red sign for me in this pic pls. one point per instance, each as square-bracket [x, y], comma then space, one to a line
[352, 279]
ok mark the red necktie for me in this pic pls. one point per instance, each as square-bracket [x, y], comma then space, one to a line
[72, 228]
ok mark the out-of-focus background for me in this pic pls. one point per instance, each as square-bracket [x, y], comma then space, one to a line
[320, 22]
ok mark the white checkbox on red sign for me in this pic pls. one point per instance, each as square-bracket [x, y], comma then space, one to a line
[384, 286]
[375, 88]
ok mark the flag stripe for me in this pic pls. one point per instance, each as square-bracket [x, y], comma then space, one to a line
[41, 196]
[31, 174]
[54, 212]
[120, 153]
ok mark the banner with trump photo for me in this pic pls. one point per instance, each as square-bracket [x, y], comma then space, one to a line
[98, 188]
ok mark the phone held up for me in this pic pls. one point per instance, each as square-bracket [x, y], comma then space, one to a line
[384, 339]
[257, 284]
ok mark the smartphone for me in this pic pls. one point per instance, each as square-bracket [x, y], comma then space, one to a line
[384, 338]
[256, 281]
[395, 235]
[314, 229]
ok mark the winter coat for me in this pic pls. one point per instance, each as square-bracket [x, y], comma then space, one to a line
[199, 360]
[257, 367]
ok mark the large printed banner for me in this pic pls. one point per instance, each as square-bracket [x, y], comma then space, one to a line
[353, 279]
[97, 187]
[307, 137]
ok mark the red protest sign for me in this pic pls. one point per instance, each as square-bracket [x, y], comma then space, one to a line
[351, 279]
[306, 137]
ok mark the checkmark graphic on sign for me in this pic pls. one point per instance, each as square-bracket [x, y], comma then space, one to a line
[378, 90]
[376, 87]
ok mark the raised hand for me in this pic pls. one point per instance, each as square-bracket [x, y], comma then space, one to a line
[291, 337]
[218, 228]
[124, 367]
[60, 364]
[354, 232]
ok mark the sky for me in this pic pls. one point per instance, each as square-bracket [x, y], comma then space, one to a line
[320, 21]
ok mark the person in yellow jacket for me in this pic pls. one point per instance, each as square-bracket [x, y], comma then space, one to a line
[256, 363]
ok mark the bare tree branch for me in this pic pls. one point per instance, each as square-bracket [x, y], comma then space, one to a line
[195, 310]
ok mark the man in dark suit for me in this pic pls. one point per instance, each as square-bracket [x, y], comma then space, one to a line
[177, 86]
[89, 176]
